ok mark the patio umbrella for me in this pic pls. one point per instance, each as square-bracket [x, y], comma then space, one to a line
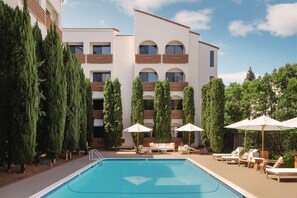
[264, 123]
[292, 122]
[238, 125]
[189, 128]
[137, 128]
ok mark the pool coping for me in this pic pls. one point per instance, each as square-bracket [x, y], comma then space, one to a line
[78, 172]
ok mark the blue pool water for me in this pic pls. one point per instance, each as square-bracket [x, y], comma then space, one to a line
[144, 178]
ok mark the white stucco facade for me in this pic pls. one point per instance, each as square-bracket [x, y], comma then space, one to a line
[193, 63]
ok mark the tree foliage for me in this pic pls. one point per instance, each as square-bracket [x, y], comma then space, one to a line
[250, 76]
[90, 119]
[189, 112]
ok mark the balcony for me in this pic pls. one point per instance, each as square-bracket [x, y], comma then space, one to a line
[81, 58]
[148, 114]
[99, 58]
[178, 86]
[148, 58]
[98, 114]
[148, 86]
[175, 58]
[97, 86]
[36, 10]
[176, 114]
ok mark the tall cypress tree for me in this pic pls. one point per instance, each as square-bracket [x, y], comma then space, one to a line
[83, 110]
[204, 135]
[38, 40]
[166, 129]
[137, 107]
[189, 112]
[54, 90]
[71, 134]
[108, 107]
[25, 97]
[6, 80]
[217, 115]
[158, 111]
[90, 119]
[118, 115]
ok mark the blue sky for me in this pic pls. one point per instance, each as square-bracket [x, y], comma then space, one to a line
[261, 34]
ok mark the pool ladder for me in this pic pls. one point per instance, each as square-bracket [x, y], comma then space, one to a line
[95, 155]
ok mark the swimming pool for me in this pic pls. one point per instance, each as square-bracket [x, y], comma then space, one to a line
[144, 178]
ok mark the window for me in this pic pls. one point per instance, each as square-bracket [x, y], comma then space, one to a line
[148, 76]
[77, 49]
[98, 132]
[97, 104]
[101, 76]
[175, 76]
[148, 104]
[211, 58]
[101, 49]
[176, 104]
[148, 49]
[174, 49]
[211, 77]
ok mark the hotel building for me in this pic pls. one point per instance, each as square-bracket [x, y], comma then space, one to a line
[159, 49]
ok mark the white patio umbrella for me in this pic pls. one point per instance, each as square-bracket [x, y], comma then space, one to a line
[238, 125]
[292, 122]
[137, 128]
[264, 123]
[189, 128]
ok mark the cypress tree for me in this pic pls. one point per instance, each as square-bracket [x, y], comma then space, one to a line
[158, 113]
[166, 129]
[118, 115]
[83, 110]
[71, 134]
[108, 107]
[25, 97]
[204, 114]
[216, 115]
[38, 40]
[250, 76]
[189, 112]
[6, 81]
[90, 119]
[54, 90]
[137, 107]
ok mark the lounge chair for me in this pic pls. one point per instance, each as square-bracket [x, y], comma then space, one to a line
[281, 172]
[144, 150]
[265, 165]
[236, 152]
[187, 149]
[246, 158]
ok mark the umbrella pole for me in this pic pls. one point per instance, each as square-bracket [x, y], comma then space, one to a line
[189, 138]
[244, 141]
[137, 144]
[262, 141]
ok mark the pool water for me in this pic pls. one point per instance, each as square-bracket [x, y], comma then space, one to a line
[144, 178]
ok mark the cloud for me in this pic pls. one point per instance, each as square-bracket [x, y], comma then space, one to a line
[233, 77]
[147, 5]
[197, 20]
[240, 28]
[237, 1]
[102, 23]
[281, 20]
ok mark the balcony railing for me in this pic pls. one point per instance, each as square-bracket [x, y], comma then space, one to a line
[175, 58]
[81, 58]
[99, 58]
[97, 86]
[148, 86]
[148, 114]
[176, 114]
[98, 114]
[178, 86]
[148, 58]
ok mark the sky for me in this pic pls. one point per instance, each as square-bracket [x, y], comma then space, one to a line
[261, 34]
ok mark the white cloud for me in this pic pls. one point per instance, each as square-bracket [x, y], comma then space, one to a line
[234, 77]
[197, 20]
[102, 23]
[281, 20]
[237, 1]
[147, 5]
[240, 28]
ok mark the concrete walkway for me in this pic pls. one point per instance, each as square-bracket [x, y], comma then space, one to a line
[246, 178]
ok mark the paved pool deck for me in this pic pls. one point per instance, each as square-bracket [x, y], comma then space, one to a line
[246, 178]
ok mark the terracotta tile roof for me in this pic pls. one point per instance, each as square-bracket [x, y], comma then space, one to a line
[94, 29]
[161, 18]
[209, 44]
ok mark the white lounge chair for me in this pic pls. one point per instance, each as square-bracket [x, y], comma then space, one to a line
[281, 172]
[236, 152]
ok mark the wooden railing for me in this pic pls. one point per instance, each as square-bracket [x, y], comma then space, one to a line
[176, 114]
[148, 58]
[175, 58]
[178, 86]
[98, 114]
[148, 86]
[97, 86]
[99, 58]
[81, 58]
[148, 114]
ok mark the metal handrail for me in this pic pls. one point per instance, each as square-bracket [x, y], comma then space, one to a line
[95, 155]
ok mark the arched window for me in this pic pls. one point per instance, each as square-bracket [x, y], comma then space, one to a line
[175, 47]
[148, 47]
[175, 75]
[148, 75]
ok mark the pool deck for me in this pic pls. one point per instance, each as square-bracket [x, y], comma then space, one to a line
[246, 178]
